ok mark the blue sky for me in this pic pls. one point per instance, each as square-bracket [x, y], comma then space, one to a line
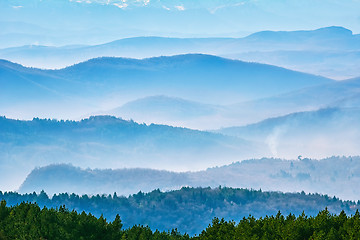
[114, 19]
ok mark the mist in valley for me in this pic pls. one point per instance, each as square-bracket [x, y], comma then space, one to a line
[174, 111]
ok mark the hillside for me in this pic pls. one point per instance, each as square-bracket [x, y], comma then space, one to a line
[320, 133]
[109, 142]
[181, 112]
[335, 64]
[65, 224]
[189, 209]
[338, 94]
[309, 175]
[228, 80]
[172, 111]
[105, 83]
[33, 92]
[177, 107]
[331, 51]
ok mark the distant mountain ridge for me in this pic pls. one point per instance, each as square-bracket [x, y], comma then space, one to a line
[90, 85]
[182, 112]
[89, 22]
[309, 175]
[314, 51]
[172, 111]
[335, 32]
[105, 141]
[320, 133]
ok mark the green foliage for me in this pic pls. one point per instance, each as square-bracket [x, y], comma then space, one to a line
[190, 210]
[322, 226]
[29, 221]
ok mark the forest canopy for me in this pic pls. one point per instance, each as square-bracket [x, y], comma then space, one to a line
[29, 221]
[189, 210]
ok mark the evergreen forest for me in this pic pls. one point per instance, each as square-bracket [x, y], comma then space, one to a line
[184, 213]
[29, 221]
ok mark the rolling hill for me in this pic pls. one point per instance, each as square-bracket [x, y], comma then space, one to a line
[105, 141]
[326, 176]
[99, 84]
[201, 74]
[181, 112]
[190, 210]
[338, 94]
[171, 111]
[331, 51]
[320, 133]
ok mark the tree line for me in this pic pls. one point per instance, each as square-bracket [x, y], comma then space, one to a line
[189, 210]
[29, 221]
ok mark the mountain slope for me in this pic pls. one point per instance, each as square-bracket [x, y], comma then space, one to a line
[99, 84]
[175, 111]
[190, 210]
[105, 141]
[334, 38]
[309, 175]
[198, 72]
[339, 94]
[321, 133]
[331, 51]
[336, 64]
[170, 111]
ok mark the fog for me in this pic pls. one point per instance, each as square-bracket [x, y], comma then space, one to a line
[181, 88]
[324, 176]
[329, 51]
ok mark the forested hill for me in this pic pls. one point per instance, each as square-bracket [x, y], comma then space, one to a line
[32, 222]
[109, 142]
[304, 174]
[189, 209]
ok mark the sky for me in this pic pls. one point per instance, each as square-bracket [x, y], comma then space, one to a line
[98, 21]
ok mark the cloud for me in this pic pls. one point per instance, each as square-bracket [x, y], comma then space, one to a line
[166, 8]
[120, 5]
[213, 10]
[17, 7]
[180, 8]
[273, 139]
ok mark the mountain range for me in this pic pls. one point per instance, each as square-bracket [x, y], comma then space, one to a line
[109, 142]
[181, 112]
[332, 51]
[325, 176]
[249, 110]
[321, 133]
[173, 112]
[93, 22]
[291, 114]
[105, 83]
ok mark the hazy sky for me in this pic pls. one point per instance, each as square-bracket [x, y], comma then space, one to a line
[105, 20]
